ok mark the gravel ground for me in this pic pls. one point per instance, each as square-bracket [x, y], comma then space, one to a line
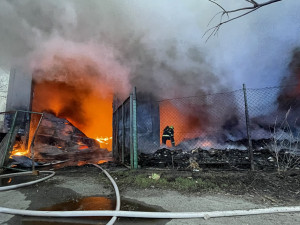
[83, 181]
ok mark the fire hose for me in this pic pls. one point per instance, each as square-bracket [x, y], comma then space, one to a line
[136, 214]
[5, 188]
[118, 198]
[14, 211]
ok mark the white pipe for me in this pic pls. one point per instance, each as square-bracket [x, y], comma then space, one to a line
[10, 187]
[118, 198]
[136, 214]
[157, 215]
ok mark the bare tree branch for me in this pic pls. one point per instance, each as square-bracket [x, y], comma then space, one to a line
[244, 11]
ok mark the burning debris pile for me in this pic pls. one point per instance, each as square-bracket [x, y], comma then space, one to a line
[199, 159]
[57, 139]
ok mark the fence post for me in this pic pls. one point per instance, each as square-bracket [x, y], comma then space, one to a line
[10, 139]
[117, 134]
[113, 135]
[32, 142]
[134, 124]
[131, 129]
[250, 149]
[123, 133]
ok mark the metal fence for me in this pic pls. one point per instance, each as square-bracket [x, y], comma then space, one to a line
[135, 128]
[204, 121]
[238, 122]
[16, 137]
[121, 132]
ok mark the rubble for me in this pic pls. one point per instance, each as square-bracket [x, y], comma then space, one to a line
[57, 142]
[199, 159]
[58, 139]
[23, 161]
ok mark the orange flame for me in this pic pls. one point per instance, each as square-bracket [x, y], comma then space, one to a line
[186, 125]
[105, 142]
[19, 150]
[75, 96]
[81, 147]
[81, 163]
[102, 161]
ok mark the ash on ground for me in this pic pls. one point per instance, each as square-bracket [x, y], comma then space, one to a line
[199, 159]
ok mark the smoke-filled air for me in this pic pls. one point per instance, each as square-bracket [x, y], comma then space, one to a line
[83, 53]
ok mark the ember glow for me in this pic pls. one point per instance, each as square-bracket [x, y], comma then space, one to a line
[102, 161]
[81, 163]
[19, 152]
[81, 147]
[19, 149]
[205, 144]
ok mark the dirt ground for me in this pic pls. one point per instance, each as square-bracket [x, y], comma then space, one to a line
[227, 190]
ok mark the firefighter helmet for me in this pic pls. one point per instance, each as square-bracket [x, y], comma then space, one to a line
[171, 127]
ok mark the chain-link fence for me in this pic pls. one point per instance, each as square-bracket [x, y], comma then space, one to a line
[275, 124]
[213, 129]
[205, 121]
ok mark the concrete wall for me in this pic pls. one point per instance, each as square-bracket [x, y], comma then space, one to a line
[4, 77]
[19, 91]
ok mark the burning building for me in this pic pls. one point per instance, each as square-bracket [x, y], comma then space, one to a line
[77, 119]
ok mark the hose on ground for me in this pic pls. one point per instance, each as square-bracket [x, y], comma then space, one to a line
[136, 214]
[10, 187]
[118, 198]
[157, 215]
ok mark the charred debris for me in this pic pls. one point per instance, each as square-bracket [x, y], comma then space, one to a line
[220, 159]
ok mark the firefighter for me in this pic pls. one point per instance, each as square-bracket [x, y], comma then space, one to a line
[168, 134]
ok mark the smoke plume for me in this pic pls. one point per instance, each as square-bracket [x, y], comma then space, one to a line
[159, 41]
[157, 46]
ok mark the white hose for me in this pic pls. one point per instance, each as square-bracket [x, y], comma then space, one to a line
[118, 198]
[157, 215]
[136, 214]
[10, 187]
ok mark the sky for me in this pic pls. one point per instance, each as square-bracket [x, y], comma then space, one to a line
[155, 45]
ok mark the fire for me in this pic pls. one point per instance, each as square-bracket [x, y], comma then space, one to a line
[106, 141]
[102, 161]
[83, 147]
[182, 117]
[77, 95]
[205, 144]
[19, 152]
[19, 149]
[81, 163]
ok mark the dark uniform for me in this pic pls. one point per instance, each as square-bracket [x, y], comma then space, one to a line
[168, 134]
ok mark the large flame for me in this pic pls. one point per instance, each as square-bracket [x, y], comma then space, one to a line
[21, 146]
[187, 122]
[74, 95]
